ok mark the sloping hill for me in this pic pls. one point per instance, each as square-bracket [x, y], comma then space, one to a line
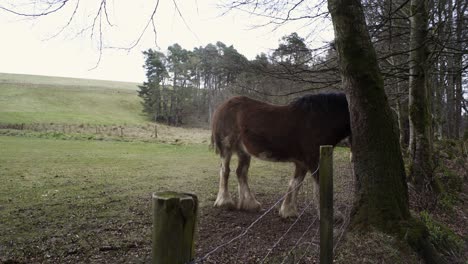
[44, 99]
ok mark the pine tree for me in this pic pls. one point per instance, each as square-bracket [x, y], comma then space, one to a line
[151, 90]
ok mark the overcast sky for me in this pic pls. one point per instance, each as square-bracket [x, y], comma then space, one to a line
[26, 46]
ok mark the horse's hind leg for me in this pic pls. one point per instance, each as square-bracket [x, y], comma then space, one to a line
[247, 199]
[224, 198]
[289, 205]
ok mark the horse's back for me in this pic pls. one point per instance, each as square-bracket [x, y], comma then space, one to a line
[254, 126]
[236, 111]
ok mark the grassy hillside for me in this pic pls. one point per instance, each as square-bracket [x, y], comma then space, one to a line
[43, 99]
[64, 81]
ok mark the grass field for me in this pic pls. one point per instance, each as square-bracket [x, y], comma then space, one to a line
[62, 199]
[42, 99]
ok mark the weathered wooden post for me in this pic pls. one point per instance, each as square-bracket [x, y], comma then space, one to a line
[174, 227]
[326, 204]
[155, 131]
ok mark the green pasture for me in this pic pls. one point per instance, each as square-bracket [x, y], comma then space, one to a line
[61, 197]
[42, 99]
[58, 196]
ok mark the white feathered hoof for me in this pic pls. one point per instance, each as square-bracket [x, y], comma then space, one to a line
[224, 202]
[251, 205]
[288, 211]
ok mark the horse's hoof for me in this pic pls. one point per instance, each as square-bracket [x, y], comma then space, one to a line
[254, 206]
[224, 203]
[285, 212]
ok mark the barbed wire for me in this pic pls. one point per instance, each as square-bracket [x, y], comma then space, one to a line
[348, 188]
[200, 260]
[306, 251]
[346, 221]
[299, 240]
[287, 231]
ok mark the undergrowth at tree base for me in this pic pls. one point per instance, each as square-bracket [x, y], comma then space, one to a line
[443, 213]
[441, 237]
[436, 233]
[374, 246]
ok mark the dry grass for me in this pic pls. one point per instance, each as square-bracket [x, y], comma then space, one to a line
[144, 132]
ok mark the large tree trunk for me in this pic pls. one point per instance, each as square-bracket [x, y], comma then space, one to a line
[382, 196]
[382, 191]
[421, 165]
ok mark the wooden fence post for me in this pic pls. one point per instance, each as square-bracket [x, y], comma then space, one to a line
[174, 227]
[326, 204]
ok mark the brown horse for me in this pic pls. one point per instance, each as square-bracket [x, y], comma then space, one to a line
[285, 133]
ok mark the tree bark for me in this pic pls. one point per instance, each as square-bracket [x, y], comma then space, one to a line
[382, 195]
[421, 164]
[382, 199]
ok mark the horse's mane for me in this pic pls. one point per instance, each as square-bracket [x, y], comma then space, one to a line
[324, 102]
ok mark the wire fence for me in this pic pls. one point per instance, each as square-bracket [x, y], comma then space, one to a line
[144, 132]
[298, 240]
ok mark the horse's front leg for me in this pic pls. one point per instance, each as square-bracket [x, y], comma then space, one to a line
[224, 198]
[247, 199]
[289, 205]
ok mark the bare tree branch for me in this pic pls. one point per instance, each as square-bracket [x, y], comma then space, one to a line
[68, 22]
[60, 4]
[150, 21]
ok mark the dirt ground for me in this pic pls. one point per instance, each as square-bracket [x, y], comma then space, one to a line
[269, 241]
[274, 239]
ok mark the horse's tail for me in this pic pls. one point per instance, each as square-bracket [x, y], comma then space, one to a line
[212, 146]
[216, 143]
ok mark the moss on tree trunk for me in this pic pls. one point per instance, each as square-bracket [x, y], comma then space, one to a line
[382, 191]
[382, 195]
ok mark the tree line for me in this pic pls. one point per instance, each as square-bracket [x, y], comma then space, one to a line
[182, 84]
